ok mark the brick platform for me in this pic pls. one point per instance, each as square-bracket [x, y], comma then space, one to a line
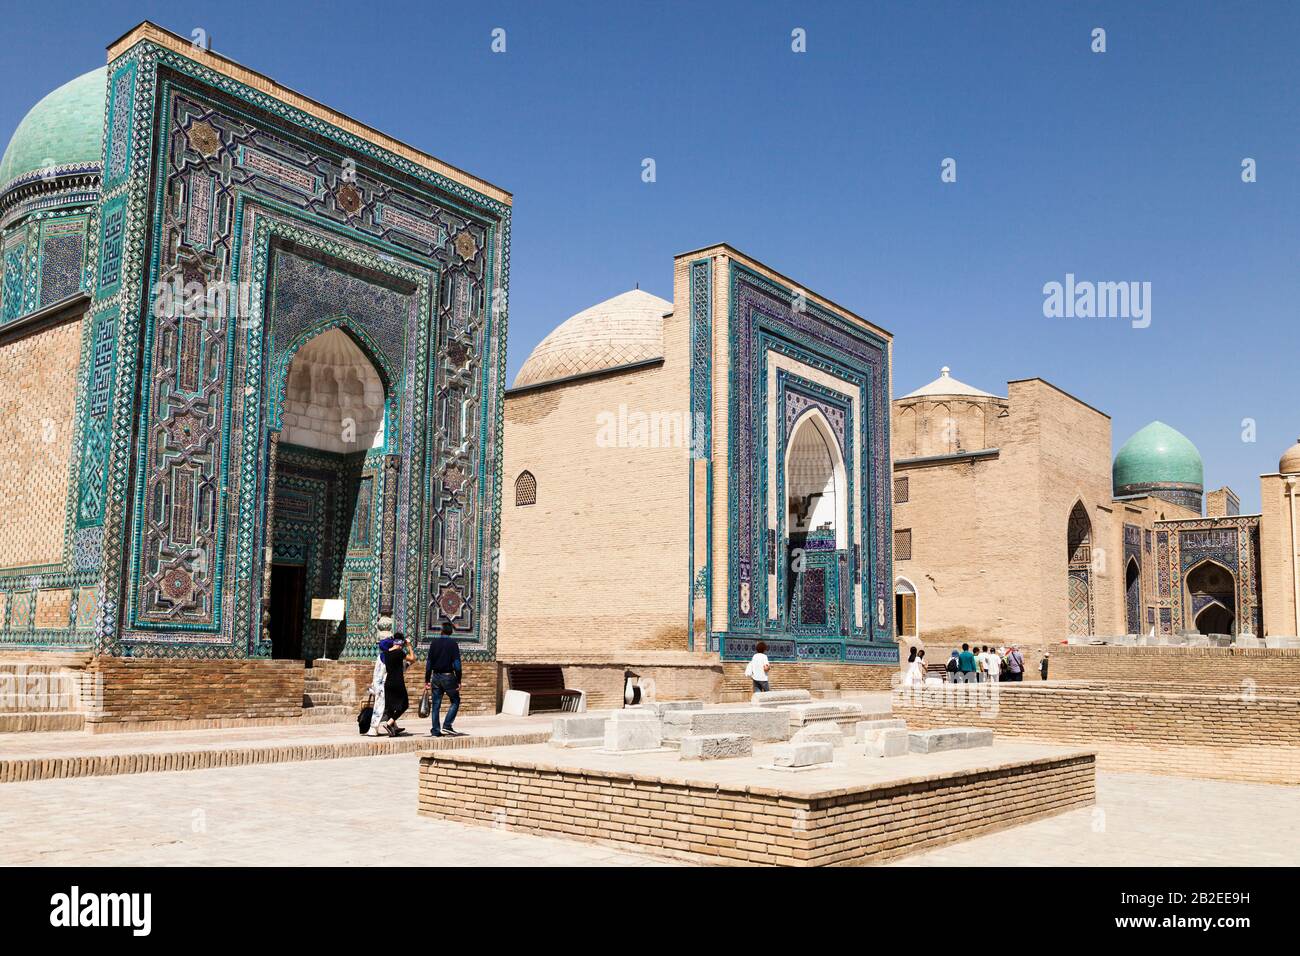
[861, 813]
[1221, 736]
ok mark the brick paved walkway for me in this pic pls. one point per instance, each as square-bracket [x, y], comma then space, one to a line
[1144, 820]
[336, 812]
[36, 756]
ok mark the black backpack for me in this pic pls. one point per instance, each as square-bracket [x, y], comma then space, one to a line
[952, 665]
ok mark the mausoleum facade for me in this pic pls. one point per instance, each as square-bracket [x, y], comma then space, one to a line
[252, 355]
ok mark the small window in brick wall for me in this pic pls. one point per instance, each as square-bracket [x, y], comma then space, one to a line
[902, 544]
[900, 491]
[525, 489]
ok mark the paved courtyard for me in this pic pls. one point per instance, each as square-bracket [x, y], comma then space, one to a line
[345, 812]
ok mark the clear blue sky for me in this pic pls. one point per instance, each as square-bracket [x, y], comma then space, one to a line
[1117, 166]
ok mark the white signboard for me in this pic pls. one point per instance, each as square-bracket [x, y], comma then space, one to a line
[327, 609]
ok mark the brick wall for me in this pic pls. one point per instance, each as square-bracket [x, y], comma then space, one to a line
[479, 693]
[150, 690]
[851, 678]
[37, 395]
[1222, 665]
[1223, 736]
[757, 826]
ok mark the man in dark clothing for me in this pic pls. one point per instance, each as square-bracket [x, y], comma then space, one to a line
[442, 676]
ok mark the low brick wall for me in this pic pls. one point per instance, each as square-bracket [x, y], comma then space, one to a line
[1227, 736]
[604, 683]
[479, 692]
[1213, 665]
[706, 822]
[852, 678]
[145, 690]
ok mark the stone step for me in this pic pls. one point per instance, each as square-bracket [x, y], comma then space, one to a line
[330, 710]
[322, 699]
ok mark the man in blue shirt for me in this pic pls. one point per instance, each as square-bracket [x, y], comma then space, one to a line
[966, 665]
[442, 673]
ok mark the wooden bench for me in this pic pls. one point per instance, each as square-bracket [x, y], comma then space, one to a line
[545, 685]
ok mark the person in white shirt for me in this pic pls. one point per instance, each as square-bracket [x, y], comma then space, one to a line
[992, 665]
[757, 668]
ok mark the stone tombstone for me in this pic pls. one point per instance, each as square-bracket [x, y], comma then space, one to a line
[633, 729]
[716, 746]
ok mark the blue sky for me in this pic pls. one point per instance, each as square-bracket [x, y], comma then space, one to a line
[1122, 166]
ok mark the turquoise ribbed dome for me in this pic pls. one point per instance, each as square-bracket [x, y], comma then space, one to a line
[1157, 455]
[64, 129]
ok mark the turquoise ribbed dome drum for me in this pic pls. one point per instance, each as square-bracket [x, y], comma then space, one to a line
[1160, 461]
[64, 131]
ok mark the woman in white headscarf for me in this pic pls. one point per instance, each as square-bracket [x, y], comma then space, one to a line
[378, 677]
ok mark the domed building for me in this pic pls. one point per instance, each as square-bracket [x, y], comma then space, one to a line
[1160, 461]
[251, 366]
[1012, 519]
[49, 185]
[687, 478]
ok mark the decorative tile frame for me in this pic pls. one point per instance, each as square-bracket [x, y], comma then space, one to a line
[766, 316]
[135, 250]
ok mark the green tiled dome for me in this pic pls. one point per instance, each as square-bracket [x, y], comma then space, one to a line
[1157, 455]
[64, 129]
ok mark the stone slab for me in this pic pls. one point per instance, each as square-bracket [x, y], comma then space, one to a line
[662, 707]
[781, 698]
[866, 726]
[716, 746]
[824, 733]
[887, 742]
[516, 703]
[948, 738]
[583, 730]
[802, 755]
[759, 723]
[631, 730]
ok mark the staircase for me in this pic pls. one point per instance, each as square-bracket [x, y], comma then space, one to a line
[323, 699]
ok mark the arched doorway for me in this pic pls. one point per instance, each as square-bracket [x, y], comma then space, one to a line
[905, 608]
[1133, 596]
[817, 528]
[322, 498]
[1212, 596]
[1079, 561]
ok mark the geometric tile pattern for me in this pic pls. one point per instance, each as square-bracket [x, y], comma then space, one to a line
[192, 480]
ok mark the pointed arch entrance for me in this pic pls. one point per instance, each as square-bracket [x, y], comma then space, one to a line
[816, 488]
[1132, 596]
[1211, 592]
[322, 533]
[1079, 571]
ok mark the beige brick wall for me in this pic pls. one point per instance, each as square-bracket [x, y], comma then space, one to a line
[143, 691]
[756, 826]
[1220, 666]
[1223, 736]
[599, 563]
[989, 555]
[479, 691]
[37, 399]
[1278, 554]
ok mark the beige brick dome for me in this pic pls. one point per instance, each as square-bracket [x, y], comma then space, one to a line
[627, 328]
[1290, 463]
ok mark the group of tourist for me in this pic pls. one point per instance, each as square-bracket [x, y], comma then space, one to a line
[388, 696]
[971, 665]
